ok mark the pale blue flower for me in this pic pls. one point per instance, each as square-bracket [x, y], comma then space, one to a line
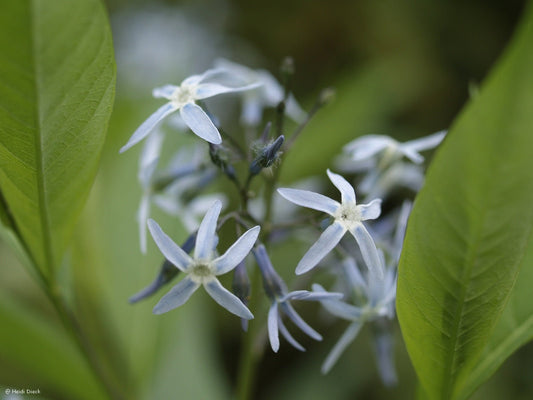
[369, 146]
[379, 297]
[183, 98]
[277, 291]
[203, 268]
[347, 215]
[268, 94]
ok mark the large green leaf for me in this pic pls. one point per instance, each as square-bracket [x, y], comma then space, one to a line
[469, 234]
[57, 78]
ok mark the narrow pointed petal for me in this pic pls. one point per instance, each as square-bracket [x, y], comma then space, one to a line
[165, 91]
[150, 153]
[177, 296]
[206, 90]
[147, 126]
[352, 273]
[384, 347]
[371, 210]
[347, 192]
[170, 250]
[209, 74]
[367, 146]
[227, 300]
[425, 143]
[347, 337]
[288, 337]
[293, 110]
[311, 296]
[325, 243]
[308, 199]
[412, 155]
[206, 238]
[401, 226]
[298, 321]
[251, 110]
[236, 253]
[200, 123]
[273, 334]
[142, 219]
[368, 249]
[338, 308]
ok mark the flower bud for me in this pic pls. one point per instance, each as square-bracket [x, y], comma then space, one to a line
[272, 282]
[267, 156]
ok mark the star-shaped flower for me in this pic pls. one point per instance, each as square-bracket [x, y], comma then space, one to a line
[183, 98]
[368, 146]
[204, 267]
[276, 290]
[347, 215]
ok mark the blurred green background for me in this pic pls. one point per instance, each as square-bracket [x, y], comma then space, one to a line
[399, 68]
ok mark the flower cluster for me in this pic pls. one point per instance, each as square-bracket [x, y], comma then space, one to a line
[364, 262]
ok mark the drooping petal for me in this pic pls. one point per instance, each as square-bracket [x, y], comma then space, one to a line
[371, 210]
[347, 192]
[325, 243]
[236, 253]
[206, 90]
[425, 143]
[142, 218]
[401, 226]
[288, 337]
[368, 249]
[306, 198]
[273, 334]
[227, 299]
[352, 273]
[165, 91]
[200, 123]
[206, 237]
[147, 126]
[170, 250]
[347, 337]
[339, 308]
[298, 321]
[367, 146]
[384, 348]
[150, 157]
[177, 296]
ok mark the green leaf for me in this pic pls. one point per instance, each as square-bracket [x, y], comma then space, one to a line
[57, 77]
[469, 234]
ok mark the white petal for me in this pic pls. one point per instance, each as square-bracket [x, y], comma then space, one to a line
[147, 126]
[311, 296]
[206, 237]
[293, 110]
[151, 150]
[236, 253]
[425, 143]
[347, 192]
[209, 74]
[227, 300]
[367, 146]
[142, 218]
[338, 308]
[313, 200]
[165, 91]
[368, 249]
[347, 337]
[401, 226]
[325, 243]
[251, 110]
[353, 275]
[298, 321]
[177, 296]
[273, 334]
[205, 90]
[286, 334]
[412, 155]
[384, 345]
[170, 250]
[371, 210]
[200, 123]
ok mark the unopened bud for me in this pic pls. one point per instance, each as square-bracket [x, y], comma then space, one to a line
[267, 156]
[272, 282]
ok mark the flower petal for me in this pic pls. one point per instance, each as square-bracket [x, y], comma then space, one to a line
[273, 334]
[142, 218]
[200, 123]
[425, 143]
[311, 296]
[150, 157]
[236, 253]
[177, 296]
[352, 273]
[384, 350]
[347, 337]
[205, 90]
[286, 334]
[371, 210]
[368, 249]
[298, 321]
[308, 199]
[165, 91]
[206, 238]
[170, 250]
[147, 126]
[367, 146]
[227, 300]
[347, 192]
[338, 308]
[325, 243]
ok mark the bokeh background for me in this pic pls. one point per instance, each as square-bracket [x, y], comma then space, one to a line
[402, 68]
